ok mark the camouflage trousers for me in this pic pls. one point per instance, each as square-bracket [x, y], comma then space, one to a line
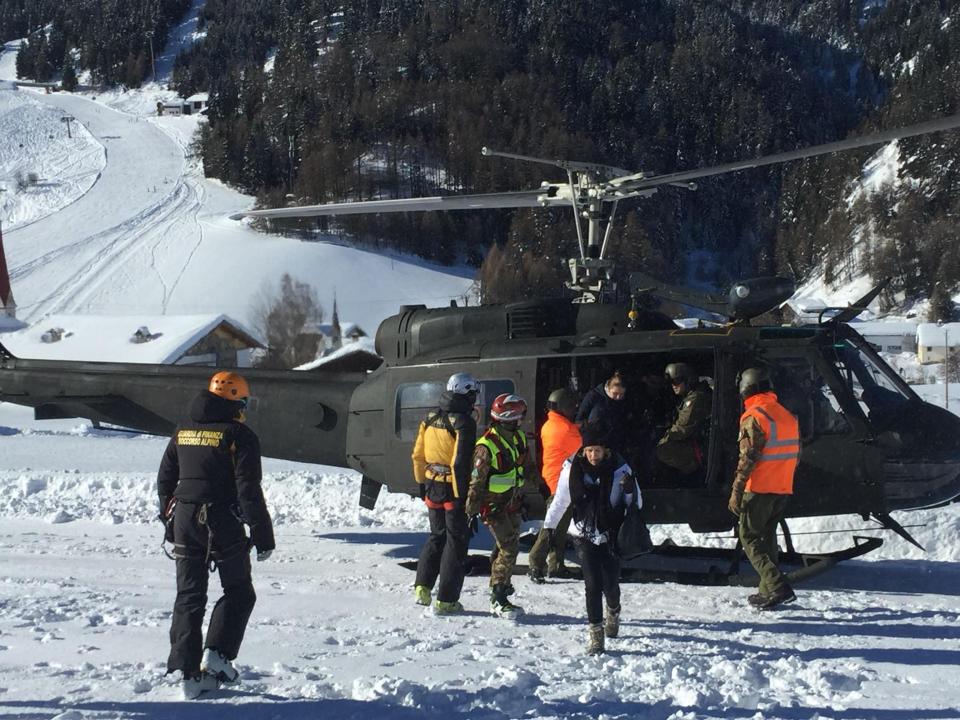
[760, 513]
[544, 556]
[505, 527]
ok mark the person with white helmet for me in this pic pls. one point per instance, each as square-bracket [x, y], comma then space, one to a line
[441, 467]
[501, 463]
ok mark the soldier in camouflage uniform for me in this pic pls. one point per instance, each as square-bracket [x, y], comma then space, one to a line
[769, 452]
[500, 465]
[682, 446]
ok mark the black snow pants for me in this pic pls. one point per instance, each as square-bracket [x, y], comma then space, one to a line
[601, 577]
[445, 552]
[205, 533]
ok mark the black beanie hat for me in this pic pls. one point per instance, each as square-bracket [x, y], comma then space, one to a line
[594, 433]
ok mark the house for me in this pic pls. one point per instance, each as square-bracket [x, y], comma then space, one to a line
[934, 340]
[196, 104]
[889, 336]
[210, 340]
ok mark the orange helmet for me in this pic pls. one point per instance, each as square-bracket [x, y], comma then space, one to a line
[229, 385]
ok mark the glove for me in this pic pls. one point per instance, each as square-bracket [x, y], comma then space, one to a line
[422, 487]
[263, 555]
[736, 499]
[544, 491]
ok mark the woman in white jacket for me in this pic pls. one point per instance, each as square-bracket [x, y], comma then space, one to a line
[600, 486]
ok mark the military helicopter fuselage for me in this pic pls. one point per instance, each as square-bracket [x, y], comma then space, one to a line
[870, 445]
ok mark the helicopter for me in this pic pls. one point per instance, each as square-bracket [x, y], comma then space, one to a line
[870, 445]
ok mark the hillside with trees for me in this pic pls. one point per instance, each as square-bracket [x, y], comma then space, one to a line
[318, 101]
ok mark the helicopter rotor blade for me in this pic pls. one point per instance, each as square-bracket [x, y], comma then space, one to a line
[858, 306]
[551, 195]
[570, 165]
[644, 180]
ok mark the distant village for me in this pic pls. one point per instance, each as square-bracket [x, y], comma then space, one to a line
[213, 340]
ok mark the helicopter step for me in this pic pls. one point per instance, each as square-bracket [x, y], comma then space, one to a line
[700, 565]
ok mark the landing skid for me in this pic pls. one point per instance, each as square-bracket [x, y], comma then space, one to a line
[704, 566]
[686, 565]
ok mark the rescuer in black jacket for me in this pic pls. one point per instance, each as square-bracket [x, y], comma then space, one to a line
[209, 486]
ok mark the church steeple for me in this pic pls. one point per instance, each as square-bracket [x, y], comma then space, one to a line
[336, 341]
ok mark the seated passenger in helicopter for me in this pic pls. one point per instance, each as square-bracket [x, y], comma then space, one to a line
[683, 446]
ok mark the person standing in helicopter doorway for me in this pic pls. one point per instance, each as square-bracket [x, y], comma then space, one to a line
[209, 485]
[500, 465]
[763, 484]
[559, 439]
[599, 485]
[604, 406]
[441, 466]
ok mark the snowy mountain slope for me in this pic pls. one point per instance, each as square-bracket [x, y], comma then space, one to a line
[85, 595]
[35, 142]
[151, 236]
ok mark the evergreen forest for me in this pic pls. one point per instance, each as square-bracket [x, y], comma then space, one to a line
[317, 101]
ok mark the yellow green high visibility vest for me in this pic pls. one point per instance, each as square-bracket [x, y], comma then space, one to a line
[506, 472]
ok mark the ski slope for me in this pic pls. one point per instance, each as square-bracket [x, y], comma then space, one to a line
[151, 234]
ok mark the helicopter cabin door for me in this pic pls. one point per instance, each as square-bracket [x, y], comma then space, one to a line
[840, 471]
[410, 393]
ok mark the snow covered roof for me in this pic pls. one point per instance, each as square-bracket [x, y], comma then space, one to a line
[111, 338]
[337, 358]
[885, 328]
[933, 334]
[198, 97]
[9, 324]
[346, 329]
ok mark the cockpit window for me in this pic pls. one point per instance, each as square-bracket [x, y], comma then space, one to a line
[878, 389]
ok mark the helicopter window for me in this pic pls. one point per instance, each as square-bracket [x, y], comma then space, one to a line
[804, 392]
[876, 387]
[415, 400]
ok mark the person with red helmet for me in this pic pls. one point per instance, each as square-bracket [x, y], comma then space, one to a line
[209, 479]
[501, 463]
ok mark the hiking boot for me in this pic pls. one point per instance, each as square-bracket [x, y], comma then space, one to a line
[500, 605]
[536, 576]
[561, 573]
[595, 639]
[215, 664]
[195, 685]
[442, 607]
[757, 599]
[778, 597]
[611, 623]
[421, 593]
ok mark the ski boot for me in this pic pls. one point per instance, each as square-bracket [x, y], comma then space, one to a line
[194, 686]
[611, 623]
[442, 607]
[500, 605]
[216, 665]
[595, 639]
[757, 599]
[422, 595]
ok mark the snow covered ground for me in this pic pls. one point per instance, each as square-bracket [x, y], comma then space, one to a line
[85, 598]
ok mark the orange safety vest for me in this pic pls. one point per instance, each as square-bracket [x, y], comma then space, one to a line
[776, 465]
[559, 439]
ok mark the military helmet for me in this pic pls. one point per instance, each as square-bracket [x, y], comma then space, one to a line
[563, 401]
[679, 372]
[754, 380]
